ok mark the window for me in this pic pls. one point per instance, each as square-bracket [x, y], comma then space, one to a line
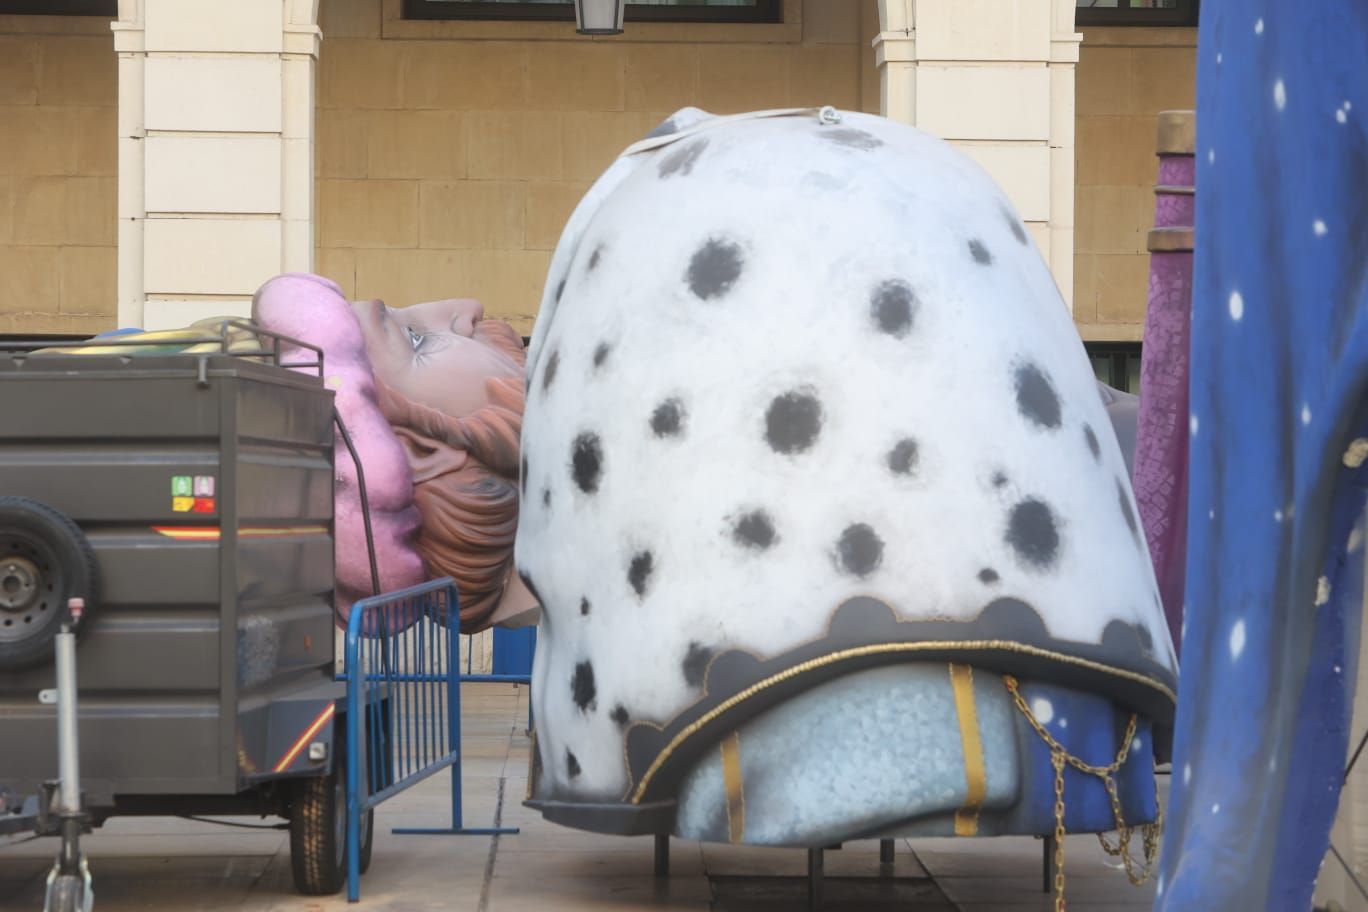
[637, 10]
[1116, 364]
[107, 9]
[1136, 12]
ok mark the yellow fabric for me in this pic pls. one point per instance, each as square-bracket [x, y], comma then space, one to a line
[731, 780]
[175, 341]
[975, 772]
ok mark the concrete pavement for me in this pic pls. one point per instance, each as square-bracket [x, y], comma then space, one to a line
[174, 865]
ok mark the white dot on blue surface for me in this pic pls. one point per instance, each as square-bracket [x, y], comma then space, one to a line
[1306, 413]
[1318, 227]
[1211, 156]
[1356, 452]
[1135, 745]
[1279, 95]
[1192, 425]
[1277, 515]
[1236, 306]
[1063, 723]
[1341, 116]
[1216, 808]
[1187, 773]
[1219, 58]
[1211, 514]
[1355, 539]
[1042, 709]
[1237, 639]
[1258, 26]
[1322, 591]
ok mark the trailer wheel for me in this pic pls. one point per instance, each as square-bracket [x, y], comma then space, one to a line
[45, 560]
[318, 834]
[66, 894]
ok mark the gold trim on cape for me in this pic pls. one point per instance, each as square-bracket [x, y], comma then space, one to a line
[638, 792]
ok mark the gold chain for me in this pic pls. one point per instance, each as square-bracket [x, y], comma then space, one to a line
[1059, 757]
[1057, 761]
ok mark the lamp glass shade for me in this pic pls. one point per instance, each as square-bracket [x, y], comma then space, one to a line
[599, 17]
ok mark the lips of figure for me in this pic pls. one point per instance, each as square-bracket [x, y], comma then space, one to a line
[310, 307]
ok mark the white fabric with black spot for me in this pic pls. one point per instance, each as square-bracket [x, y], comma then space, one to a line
[781, 363]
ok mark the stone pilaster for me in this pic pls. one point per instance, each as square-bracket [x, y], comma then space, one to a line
[997, 80]
[216, 140]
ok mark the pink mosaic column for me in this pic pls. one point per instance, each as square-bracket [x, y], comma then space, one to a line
[1161, 453]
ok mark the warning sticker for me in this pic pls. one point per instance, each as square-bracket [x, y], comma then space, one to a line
[204, 485]
[181, 486]
[182, 504]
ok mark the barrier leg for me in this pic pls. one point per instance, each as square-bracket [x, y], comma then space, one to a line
[531, 716]
[353, 848]
[662, 855]
[352, 740]
[457, 812]
[1048, 867]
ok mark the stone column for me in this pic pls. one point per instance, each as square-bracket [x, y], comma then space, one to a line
[1063, 63]
[895, 55]
[216, 105]
[997, 80]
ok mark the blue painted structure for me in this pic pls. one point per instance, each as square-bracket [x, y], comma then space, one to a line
[1279, 417]
[513, 650]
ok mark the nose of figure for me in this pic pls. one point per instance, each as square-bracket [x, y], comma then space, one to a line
[465, 313]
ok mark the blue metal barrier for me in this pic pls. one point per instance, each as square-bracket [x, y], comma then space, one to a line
[403, 679]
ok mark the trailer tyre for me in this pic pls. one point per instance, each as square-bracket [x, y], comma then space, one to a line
[45, 560]
[318, 834]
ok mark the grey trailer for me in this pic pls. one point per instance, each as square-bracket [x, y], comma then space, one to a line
[188, 499]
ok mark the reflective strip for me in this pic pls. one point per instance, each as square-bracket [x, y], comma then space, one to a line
[212, 533]
[305, 738]
[731, 781]
[975, 774]
[275, 531]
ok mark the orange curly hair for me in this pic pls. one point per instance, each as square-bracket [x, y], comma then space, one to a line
[465, 479]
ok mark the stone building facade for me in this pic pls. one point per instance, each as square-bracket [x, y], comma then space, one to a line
[159, 170]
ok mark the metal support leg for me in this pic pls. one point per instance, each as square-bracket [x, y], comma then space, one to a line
[1049, 867]
[69, 879]
[662, 855]
[814, 879]
[885, 851]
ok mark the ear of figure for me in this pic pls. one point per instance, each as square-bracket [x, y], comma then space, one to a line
[429, 458]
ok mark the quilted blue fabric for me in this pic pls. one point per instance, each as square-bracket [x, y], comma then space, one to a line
[1279, 350]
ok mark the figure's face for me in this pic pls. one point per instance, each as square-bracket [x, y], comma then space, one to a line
[434, 353]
